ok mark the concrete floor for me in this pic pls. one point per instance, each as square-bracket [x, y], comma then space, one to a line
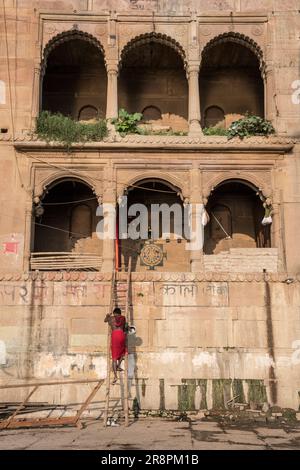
[157, 433]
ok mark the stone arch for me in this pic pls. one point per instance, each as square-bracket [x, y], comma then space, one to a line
[241, 39]
[154, 37]
[58, 177]
[169, 180]
[65, 222]
[249, 180]
[69, 36]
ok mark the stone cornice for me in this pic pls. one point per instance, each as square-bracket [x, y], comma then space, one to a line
[141, 15]
[279, 145]
[147, 276]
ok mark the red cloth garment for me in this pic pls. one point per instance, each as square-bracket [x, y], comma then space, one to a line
[119, 321]
[118, 344]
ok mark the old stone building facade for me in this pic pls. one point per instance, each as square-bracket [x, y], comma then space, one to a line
[210, 324]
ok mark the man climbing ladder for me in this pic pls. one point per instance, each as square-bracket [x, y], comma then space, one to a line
[117, 322]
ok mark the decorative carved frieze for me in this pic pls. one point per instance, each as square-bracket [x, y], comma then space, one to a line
[147, 276]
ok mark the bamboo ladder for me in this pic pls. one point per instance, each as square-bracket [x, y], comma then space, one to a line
[113, 300]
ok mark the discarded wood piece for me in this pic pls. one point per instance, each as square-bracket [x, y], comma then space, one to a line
[11, 422]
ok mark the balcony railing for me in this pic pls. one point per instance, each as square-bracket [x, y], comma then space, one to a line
[67, 261]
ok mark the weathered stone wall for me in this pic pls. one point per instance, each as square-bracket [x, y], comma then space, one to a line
[200, 337]
[243, 260]
[190, 334]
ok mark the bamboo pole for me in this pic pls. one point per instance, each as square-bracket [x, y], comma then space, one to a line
[126, 405]
[108, 353]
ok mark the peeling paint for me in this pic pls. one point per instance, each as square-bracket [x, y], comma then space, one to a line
[49, 365]
[168, 357]
[205, 359]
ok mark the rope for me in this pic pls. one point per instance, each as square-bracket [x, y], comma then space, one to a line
[227, 235]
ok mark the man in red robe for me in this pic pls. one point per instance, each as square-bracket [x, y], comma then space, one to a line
[117, 323]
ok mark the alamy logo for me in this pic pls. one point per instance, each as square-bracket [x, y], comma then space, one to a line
[296, 94]
[186, 221]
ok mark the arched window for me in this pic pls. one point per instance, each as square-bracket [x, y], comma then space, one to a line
[151, 113]
[74, 76]
[81, 222]
[88, 112]
[214, 115]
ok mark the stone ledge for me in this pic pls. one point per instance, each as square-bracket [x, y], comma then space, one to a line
[147, 276]
[211, 143]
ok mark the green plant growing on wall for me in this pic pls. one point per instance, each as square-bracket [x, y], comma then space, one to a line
[59, 128]
[127, 123]
[214, 131]
[250, 125]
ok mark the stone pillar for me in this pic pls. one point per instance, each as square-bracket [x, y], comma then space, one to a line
[270, 96]
[194, 100]
[36, 94]
[109, 201]
[112, 90]
[276, 235]
[28, 235]
[196, 256]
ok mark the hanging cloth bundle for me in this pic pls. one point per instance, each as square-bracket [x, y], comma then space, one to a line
[205, 217]
[267, 220]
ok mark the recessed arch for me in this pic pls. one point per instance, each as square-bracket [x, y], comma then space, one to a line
[65, 227]
[250, 180]
[151, 113]
[66, 36]
[214, 115]
[155, 214]
[88, 112]
[152, 73]
[237, 38]
[146, 38]
[169, 180]
[232, 77]
[48, 183]
[73, 74]
[236, 211]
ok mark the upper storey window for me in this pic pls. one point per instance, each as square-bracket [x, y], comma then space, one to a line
[153, 81]
[231, 84]
[75, 80]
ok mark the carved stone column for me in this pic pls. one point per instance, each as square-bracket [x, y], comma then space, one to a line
[36, 93]
[112, 90]
[194, 99]
[270, 96]
[196, 255]
[109, 202]
[276, 234]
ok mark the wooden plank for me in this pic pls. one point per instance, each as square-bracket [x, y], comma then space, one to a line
[29, 423]
[60, 382]
[108, 352]
[126, 405]
[8, 421]
[88, 401]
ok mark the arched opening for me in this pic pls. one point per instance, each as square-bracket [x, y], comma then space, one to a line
[65, 228]
[230, 79]
[214, 116]
[75, 79]
[152, 77]
[87, 113]
[151, 113]
[236, 212]
[158, 206]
